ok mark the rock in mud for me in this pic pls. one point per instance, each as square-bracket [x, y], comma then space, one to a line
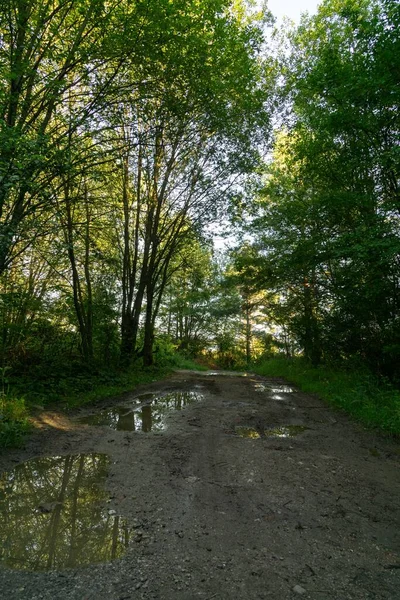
[299, 590]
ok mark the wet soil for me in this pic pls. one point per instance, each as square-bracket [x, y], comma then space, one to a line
[209, 513]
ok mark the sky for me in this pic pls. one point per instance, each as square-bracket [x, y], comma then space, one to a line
[292, 8]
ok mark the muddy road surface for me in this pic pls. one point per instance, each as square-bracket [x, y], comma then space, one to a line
[203, 486]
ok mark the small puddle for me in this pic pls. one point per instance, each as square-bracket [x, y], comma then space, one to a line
[149, 415]
[279, 397]
[260, 387]
[225, 373]
[53, 515]
[247, 432]
[285, 431]
[276, 389]
[282, 432]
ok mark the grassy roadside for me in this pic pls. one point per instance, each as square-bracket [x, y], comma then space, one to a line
[358, 392]
[14, 422]
[66, 392]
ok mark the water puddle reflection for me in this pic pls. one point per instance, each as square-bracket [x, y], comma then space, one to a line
[273, 389]
[226, 373]
[285, 431]
[247, 432]
[260, 387]
[149, 415]
[53, 515]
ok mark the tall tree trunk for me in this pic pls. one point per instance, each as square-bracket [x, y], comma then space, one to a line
[89, 294]
[79, 305]
[312, 345]
[148, 358]
[248, 332]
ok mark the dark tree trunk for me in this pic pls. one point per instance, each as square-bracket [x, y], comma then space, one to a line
[148, 358]
[312, 344]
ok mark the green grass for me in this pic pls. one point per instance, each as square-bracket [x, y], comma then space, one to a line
[180, 362]
[14, 423]
[362, 395]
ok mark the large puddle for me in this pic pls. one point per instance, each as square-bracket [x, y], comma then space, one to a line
[147, 413]
[53, 515]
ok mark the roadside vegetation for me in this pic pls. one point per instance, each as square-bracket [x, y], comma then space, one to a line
[359, 392]
[14, 423]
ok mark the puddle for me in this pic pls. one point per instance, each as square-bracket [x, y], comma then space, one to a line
[285, 431]
[278, 397]
[260, 387]
[275, 390]
[247, 432]
[53, 515]
[226, 373]
[149, 415]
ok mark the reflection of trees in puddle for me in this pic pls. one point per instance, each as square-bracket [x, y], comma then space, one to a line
[247, 432]
[153, 415]
[148, 417]
[53, 516]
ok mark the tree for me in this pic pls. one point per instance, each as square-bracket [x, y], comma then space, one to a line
[184, 143]
[125, 129]
[329, 223]
[186, 312]
[49, 54]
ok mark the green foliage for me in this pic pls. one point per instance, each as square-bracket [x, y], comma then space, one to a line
[168, 356]
[163, 107]
[326, 225]
[14, 422]
[354, 389]
[177, 361]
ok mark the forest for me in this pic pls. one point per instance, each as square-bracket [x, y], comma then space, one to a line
[132, 134]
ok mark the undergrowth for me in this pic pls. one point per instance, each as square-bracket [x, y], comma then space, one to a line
[181, 362]
[13, 421]
[357, 391]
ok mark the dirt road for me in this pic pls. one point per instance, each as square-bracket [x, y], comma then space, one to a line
[254, 490]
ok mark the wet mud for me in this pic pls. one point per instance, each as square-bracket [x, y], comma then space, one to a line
[252, 490]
